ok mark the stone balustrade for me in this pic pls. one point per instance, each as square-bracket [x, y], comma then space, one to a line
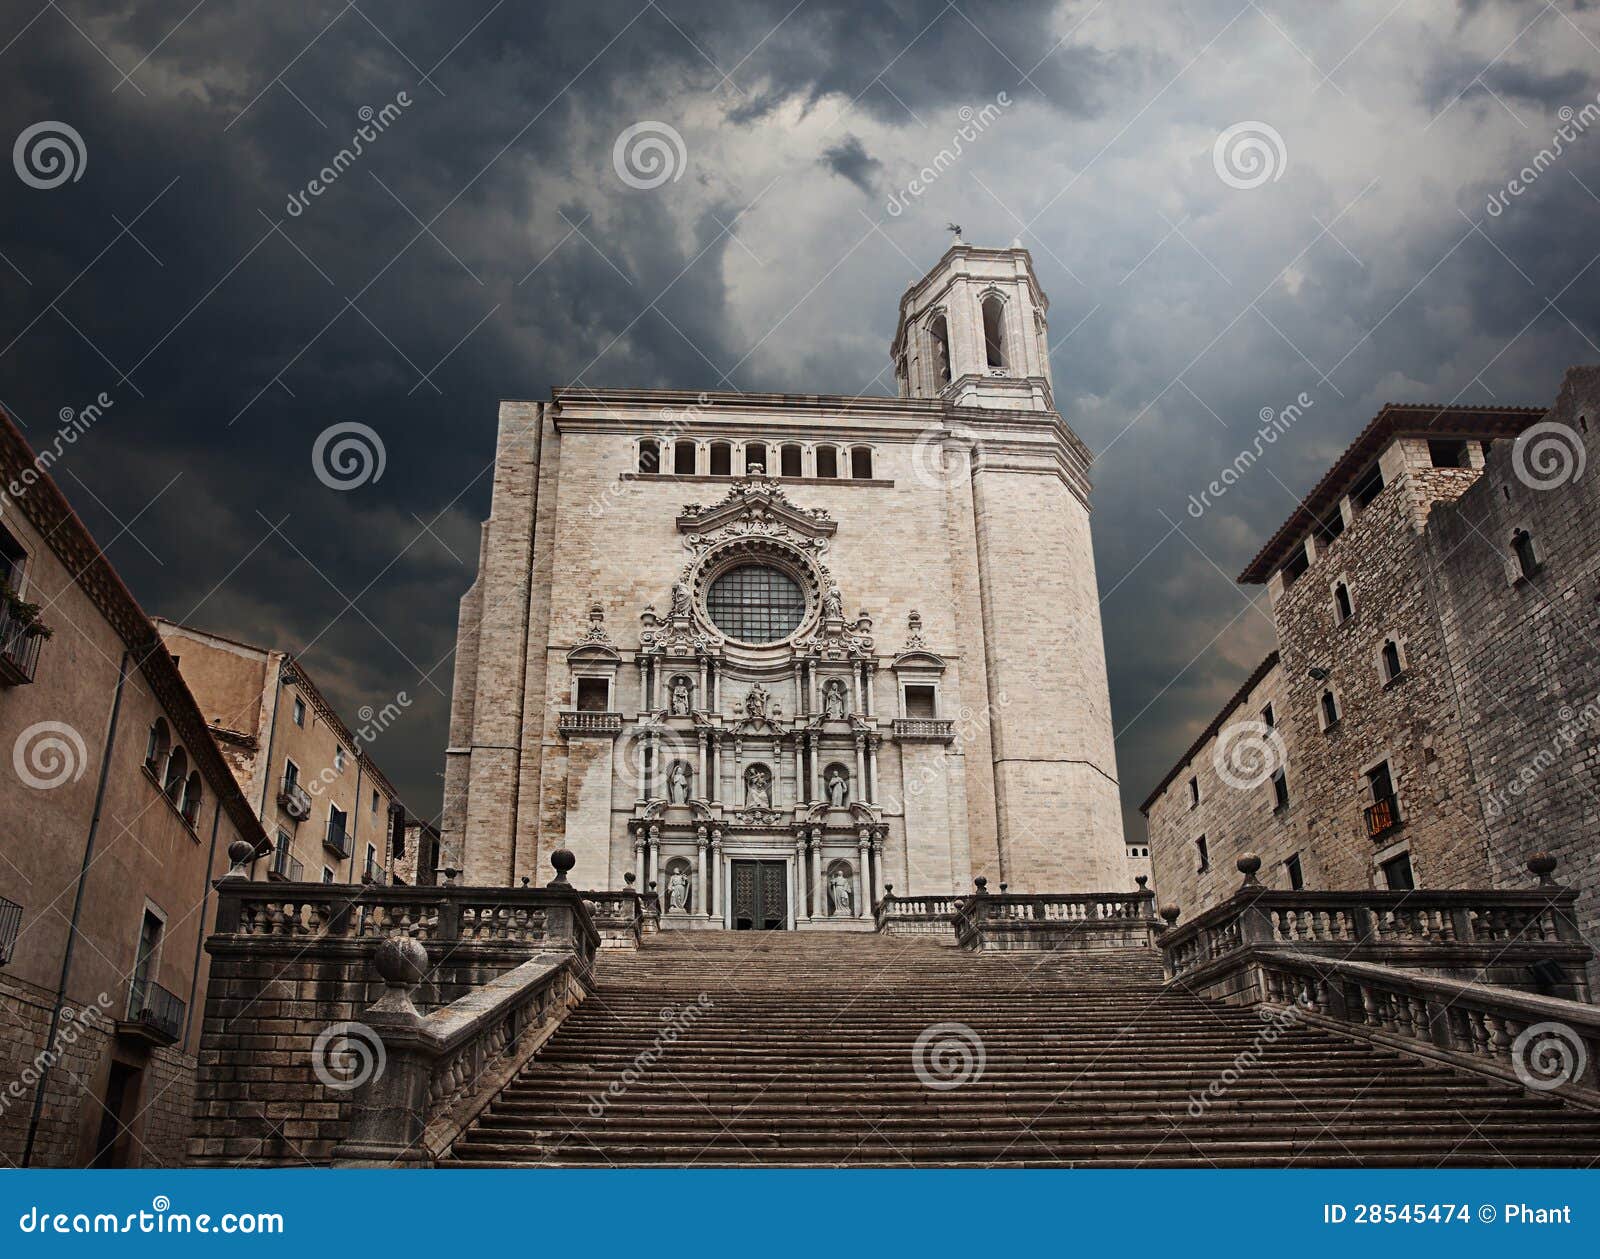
[439, 1071]
[486, 974]
[916, 915]
[1524, 938]
[1078, 921]
[1541, 1043]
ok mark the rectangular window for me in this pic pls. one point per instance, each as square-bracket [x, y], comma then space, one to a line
[683, 456]
[921, 702]
[1194, 793]
[1447, 454]
[12, 557]
[790, 461]
[1397, 876]
[1383, 814]
[1297, 878]
[594, 695]
[327, 875]
[827, 461]
[1295, 565]
[721, 459]
[1269, 718]
[299, 711]
[374, 801]
[1280, 790]
[291, 775]
[338, 760]
[1203, 853]
[1368, 487]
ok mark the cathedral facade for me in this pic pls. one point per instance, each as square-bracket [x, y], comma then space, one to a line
[774, 654]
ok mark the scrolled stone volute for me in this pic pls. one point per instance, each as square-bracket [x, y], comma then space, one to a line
[240, 853]
[401, 962]
[1248, 865]
[561, 860]
[1170, 913]
[1543, 864]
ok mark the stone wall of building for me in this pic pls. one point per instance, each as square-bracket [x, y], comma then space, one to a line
[1526, 652]
[1411, 722]
[1237, 810]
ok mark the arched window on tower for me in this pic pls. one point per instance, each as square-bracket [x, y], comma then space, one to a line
[827, 462]
[861, 463]
[157, 746]
[939, 330]
[683, 458]
[721, 459]
[994, 331]
[755, 457]
[789, 461]
[177, 771]
[649, 456]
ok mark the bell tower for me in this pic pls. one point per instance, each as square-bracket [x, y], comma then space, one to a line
[973, 331]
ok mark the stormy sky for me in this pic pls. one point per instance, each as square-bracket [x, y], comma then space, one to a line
[1337, 243]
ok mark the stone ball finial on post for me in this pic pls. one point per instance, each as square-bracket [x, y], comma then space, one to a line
[451, 874]
[1543, 864]
[1248, 865]
[1141, 880]
[982, 884]
[628, 880]
[401, 963]
[562, 860]
[888, 891]
[240, 854]
[1170, 912]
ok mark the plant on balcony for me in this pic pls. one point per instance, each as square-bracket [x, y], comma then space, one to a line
[23, 613]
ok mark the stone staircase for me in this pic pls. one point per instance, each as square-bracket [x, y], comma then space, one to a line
[804, 1050]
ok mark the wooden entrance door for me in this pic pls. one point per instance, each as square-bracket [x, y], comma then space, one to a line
[760, 896]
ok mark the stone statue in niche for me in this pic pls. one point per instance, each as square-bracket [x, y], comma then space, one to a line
[680, 599]
[678, 784]
[678, 891]
[833, 700]
[838, 783]
[757, 788]
[757, 701]
[842, 893]
[833, 603]
[680, 697]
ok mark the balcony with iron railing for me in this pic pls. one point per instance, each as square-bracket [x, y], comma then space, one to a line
[374, 873]
[20, 641]
[292, 796]
[336, 839]
[154, 1014]
[1383, 816]
[285, 869]
[10, 928]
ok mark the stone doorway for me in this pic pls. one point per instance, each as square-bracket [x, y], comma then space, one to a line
[760, 895]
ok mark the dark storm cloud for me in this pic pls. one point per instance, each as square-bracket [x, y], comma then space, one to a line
[851, 160]
[231, 332]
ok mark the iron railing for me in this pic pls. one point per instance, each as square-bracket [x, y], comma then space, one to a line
[19, 648]
[336, 839]
[152, 1007]
[285, 867]
[10, 928]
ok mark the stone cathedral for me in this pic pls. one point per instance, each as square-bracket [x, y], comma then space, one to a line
[775, 653]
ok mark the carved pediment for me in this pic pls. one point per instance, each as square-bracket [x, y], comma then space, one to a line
[757, 506]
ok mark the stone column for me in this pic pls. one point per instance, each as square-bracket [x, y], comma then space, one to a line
[815, 744]
[866, 687]
[812, 682]
[820, 910]
[861, 873]
[869, 790]
[719, 867]
[701, 697]
[855, 688]
[653, 858]
[799, 773]
[877, 868]
[643, 662]
[639, 858]
[700, 904]
[714, 783]
[701, 738]
[716, 688]
[802, 907]
[861, 767]
[801, 700]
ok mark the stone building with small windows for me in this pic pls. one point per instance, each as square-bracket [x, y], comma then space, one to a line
[116, 816]
[1434, 699]
[332, 814]
[776, 653]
